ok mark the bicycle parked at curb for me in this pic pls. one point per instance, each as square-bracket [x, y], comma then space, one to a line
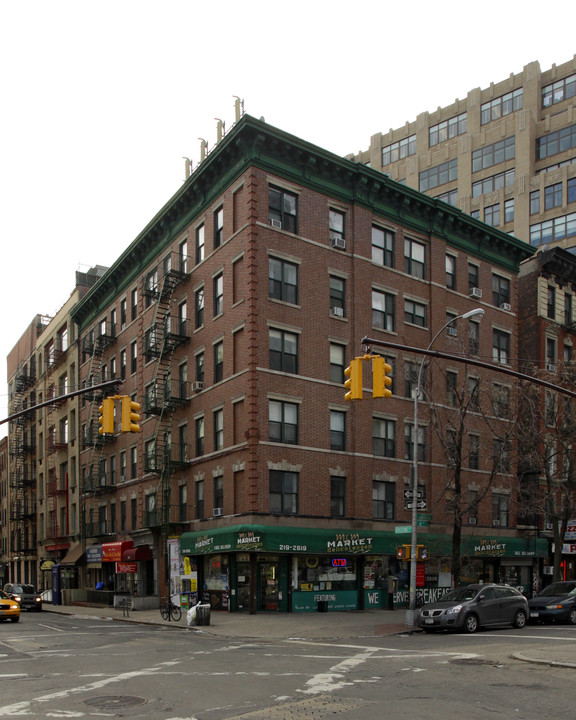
[170, 611]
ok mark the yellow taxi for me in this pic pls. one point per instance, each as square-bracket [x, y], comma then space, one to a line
[9, 609]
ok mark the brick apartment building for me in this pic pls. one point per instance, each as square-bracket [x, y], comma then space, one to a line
[231, 319]
[505, 154]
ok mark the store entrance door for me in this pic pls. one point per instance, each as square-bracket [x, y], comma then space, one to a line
[269, 585]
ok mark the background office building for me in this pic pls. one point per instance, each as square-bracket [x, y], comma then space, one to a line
[505, 154]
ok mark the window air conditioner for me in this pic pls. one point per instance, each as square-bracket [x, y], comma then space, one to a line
[495, 523]
[197, 386]
[217, 512]
[472, 521]
[276, 223]
[548, 526]
[551, 367]
[506, 306]
[338, 242]
[475, 292]
[337, 311]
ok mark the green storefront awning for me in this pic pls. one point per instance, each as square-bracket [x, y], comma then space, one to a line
[322, 541]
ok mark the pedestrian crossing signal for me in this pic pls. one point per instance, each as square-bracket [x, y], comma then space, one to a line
[403, 552]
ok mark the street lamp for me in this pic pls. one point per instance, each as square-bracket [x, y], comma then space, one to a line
[411, 613]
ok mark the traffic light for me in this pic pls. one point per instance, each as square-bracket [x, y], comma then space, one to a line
[403, 552]
[130, 415]
[422, 552]
[106, 418]
[354, 380]
[381, 379]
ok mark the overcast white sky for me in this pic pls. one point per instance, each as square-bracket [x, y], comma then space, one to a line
[101, 100]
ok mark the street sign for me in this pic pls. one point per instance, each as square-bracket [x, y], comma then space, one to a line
[420, 505]
[421, 523]
[425, 516]
[409, 494]
[401, 529]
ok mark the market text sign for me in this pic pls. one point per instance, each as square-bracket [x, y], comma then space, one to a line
[126, 567]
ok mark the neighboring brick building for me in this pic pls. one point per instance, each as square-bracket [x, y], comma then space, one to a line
[505, 154]
[231, 318]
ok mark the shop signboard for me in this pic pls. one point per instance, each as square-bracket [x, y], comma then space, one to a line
[337, 600]
[126, 567]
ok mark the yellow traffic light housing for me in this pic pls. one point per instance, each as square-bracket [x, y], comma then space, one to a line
[353, 382]
[381, 379]
[422, 552]
[130, 415]
[106, 418]
[403, 552]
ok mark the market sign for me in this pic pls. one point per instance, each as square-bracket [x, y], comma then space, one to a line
[126, 567]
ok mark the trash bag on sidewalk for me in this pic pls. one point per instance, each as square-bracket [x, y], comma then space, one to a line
[191, 615]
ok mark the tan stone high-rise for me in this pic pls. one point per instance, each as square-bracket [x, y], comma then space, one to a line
[505, 154]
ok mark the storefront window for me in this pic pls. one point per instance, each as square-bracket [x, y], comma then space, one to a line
[317, 573]
[216, 572]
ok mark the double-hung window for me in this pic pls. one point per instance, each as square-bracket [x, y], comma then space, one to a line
[382, 246]
[283, 422]
[283, 209]
[283, 349]
[383, 310]
[283, 280]
[414, 258]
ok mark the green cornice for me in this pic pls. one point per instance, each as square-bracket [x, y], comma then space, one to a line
[253, 142]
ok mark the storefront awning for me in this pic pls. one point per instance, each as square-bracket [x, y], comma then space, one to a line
[264, 538]
[142, 552]
[73, 555]
[112, 552]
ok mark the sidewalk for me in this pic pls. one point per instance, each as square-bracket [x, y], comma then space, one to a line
[354, 625]
[265, 626]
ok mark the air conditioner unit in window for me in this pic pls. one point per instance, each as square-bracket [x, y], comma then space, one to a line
[472, 521]
[475, 292]
[197, 386]
[217, 512]
[495, 523]
[506, 306]
[338, 242]
[548, 526]
[551, 367]
[276, 223]
[337, 311]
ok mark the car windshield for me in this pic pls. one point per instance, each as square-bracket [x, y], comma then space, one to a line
[23, 589]
[560, 589]
[3, 595]
[459, 595]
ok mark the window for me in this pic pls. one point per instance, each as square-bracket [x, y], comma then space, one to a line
[337, 430]
[151, 286]
[552, 230]
[383, 310]
[501, 455]
[123, 313]
[494, 182]
[283, 492]
[558, 91]
[336, 219]
[199, 436]
[218, 294]
[409, 442]
[551, 302]
[283, 209]
[199, 366]
[123, 525]
[415, 313]
[183, 256]
[451, 388]
[123, 364]
[473, 452]
[199, 499]
[411, 371]
[134, 356]
[337, 296]
[474, 338]
[337, 497]
[550, 354]
[501, 106]
[500, 510]
[218, 361]
[450, 197]
[501, 347]
[553, 196]
[435, 176]
[336, 363]
[383, 496]
[534, 202]
[509, 210]
[501, 400]
[474, 394]
[556, 142]
[199, 308]
[133, 462]
[199, 244]
[218, 418]
[182, 502]
[383, 437]
[571, 190]
[218, 487]
[283, 422]
[473, 276]
[414, 258]
[447, 129]
[492, 215]
[283, 351]
[491, 155]
[451, 272]
[123, 476]
[283, 280]
[451, 449]
[567, 309]
[399, 150]
[382, 246]
[500, 290]
[218, 226]
[134, 303]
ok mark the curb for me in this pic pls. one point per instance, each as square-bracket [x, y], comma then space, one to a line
[538, 661]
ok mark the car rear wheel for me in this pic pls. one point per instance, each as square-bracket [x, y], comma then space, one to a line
[519, 619]
[471, 623]
[15, 619]
[572, 616]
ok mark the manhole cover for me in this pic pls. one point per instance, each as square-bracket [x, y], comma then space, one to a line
[109, 702]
